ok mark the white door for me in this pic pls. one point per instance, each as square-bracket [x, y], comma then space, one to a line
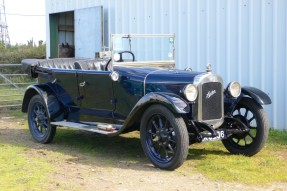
[88, 31]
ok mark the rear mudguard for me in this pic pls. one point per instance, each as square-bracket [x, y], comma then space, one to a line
[173, 102]
[48, 96]
[257, 95]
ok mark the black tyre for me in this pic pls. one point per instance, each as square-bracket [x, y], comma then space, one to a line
[164, 137]
[255, 118]
[39, 122]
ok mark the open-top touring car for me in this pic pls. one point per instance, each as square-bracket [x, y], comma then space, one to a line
[135, 86]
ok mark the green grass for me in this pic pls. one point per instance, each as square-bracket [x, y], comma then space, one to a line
[9, 95]
[20, 170]
[277, 139]
[210, 159]
[269, 165]
[15, 113]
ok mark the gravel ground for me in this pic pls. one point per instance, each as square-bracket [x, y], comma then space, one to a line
[76, 171]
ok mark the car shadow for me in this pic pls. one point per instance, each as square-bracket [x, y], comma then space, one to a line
[202, 153]
[87, 148]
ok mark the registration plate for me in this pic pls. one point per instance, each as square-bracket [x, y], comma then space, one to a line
[220, 135]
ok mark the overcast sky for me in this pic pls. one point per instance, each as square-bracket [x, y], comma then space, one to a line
[24, 28]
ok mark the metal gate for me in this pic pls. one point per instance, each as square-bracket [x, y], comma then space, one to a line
[13, 83]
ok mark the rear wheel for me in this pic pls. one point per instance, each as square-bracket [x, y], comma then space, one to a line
[254, 117]
[164, 137]
[38, 120]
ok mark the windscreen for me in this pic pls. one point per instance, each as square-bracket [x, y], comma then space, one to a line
[144, 48]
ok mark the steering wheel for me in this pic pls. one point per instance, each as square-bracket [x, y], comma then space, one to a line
[108, 65]
[123, 52]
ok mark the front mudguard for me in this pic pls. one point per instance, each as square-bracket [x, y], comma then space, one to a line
[173, 102]
[257, 95]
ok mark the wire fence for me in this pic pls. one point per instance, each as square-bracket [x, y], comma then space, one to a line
[13, 83]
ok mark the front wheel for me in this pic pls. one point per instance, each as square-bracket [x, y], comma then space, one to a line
[251, 142]
[164, 137]
[38, 120]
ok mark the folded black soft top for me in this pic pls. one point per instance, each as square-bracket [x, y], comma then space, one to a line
[28, 64]
[31, 66]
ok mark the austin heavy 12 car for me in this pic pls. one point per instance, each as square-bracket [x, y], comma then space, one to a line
[135, 86]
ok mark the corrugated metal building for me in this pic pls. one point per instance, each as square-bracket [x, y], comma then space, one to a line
[244, 40]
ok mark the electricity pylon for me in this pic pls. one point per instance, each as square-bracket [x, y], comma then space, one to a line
[4, 35]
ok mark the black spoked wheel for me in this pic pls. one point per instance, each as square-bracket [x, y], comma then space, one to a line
[164, 137]
[161, 138]
[250, 142]
[39, 122]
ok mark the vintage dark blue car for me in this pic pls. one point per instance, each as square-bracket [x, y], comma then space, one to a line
[135, 86]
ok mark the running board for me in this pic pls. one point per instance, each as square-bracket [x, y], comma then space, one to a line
[101, 128]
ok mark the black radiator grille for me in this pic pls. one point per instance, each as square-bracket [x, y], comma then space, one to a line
[212, 101]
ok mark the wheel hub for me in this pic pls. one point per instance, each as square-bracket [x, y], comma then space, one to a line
[241, 118]
[162, 137]
[40, 118]
[244, 131]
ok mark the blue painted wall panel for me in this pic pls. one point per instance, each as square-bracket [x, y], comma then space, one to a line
[244, 40]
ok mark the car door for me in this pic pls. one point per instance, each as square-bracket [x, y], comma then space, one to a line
[96, 94]
[66, 87]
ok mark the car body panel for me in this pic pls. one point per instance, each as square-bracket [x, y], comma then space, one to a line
[45, 92]
[257, 95]
[96, 95]
[173, 102]
[261, 97]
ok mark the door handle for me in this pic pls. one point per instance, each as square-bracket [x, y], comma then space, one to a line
[82, 84]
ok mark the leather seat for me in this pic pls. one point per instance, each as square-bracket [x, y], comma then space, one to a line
[72, 64]
[61, 63]
[98, 65]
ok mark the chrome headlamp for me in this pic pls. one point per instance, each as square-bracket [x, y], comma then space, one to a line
[190, 92]
[234, 89]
